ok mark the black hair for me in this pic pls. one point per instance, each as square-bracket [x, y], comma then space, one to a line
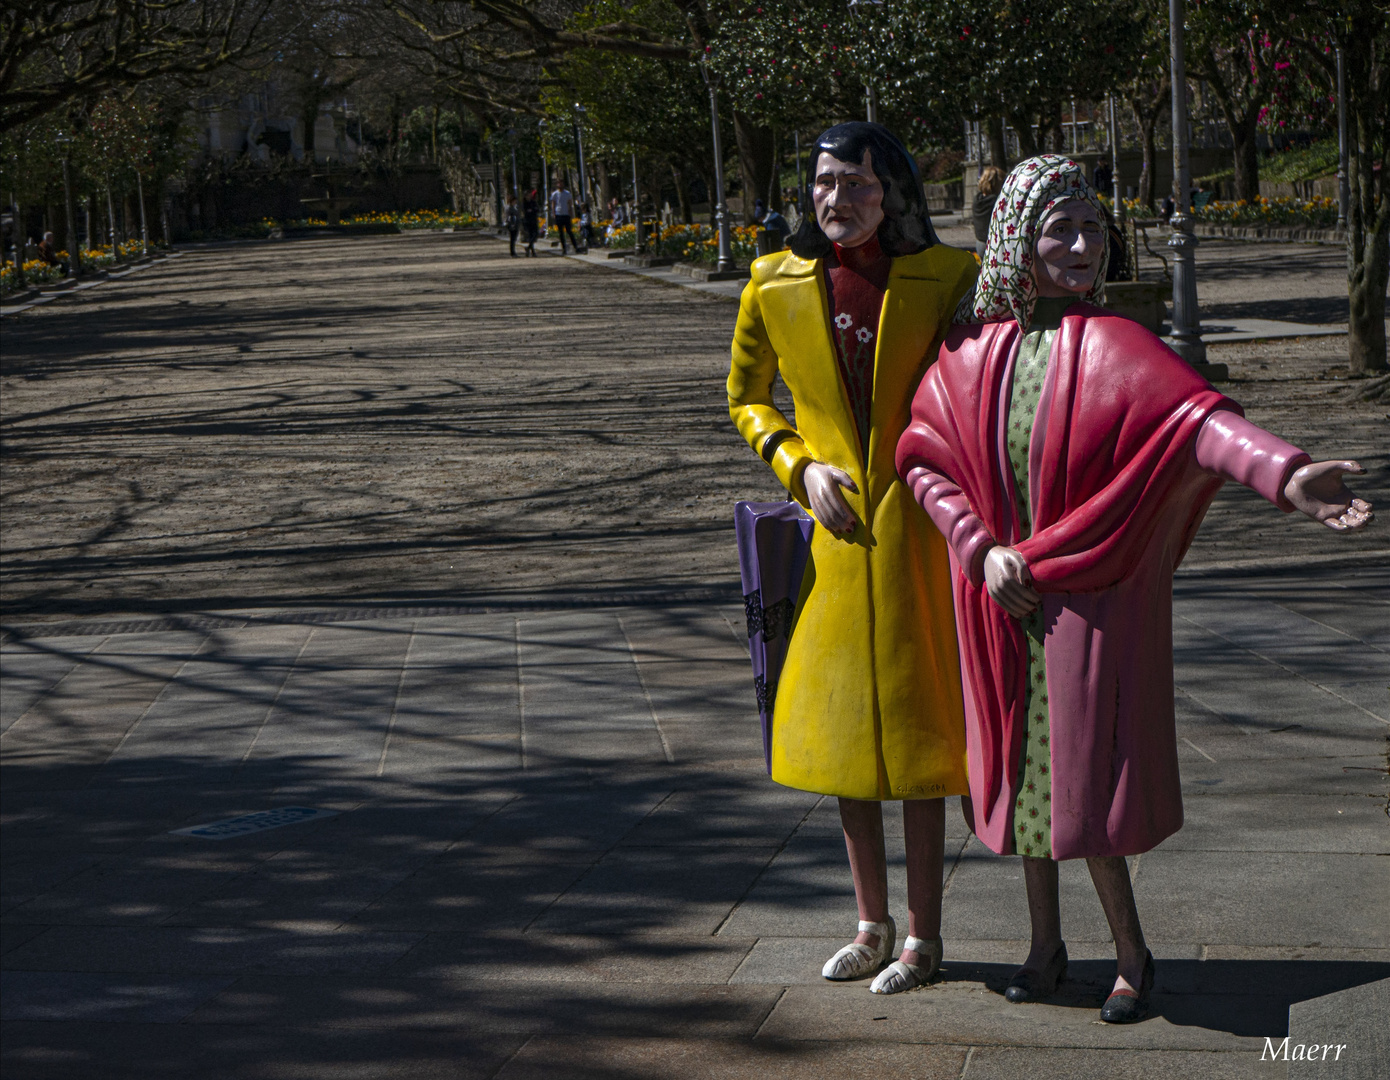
[906, 227]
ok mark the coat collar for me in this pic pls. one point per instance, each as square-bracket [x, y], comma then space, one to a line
[907, 328]
[919, 265]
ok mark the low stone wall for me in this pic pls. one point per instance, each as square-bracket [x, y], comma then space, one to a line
[944, 197]
[1300, 189]
[1276, 233]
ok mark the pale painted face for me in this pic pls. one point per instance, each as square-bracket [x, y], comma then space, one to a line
[1069, 248]
[848, 199]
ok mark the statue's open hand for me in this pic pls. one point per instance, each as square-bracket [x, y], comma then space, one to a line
[823, 484]
[1009, 581]
[1317, 490]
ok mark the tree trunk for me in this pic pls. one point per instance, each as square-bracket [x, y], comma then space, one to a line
[756, 160]
[1368, 246]
[1146, 168]
[1022, 124]
[1054, 122]
[998, 153]
[682, 195]
[1239, 102]
[1366, 284]
[1245, 156]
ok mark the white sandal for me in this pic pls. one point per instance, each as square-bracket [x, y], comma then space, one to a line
[855, 961]
[898, 976]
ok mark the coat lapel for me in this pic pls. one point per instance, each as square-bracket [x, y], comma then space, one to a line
[908, 332]
[810, 367]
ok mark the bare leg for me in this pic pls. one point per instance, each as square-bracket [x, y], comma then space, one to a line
[863, 825]
[1110, 875]
[924, 825]
[1044, 910]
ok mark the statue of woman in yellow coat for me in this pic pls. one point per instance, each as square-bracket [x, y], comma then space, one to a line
[868, 706]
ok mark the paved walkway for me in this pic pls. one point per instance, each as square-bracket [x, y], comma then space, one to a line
[555, 854]
[1241, 299]
[438, 542]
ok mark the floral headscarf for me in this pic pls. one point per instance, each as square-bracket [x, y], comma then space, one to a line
[1005, 286]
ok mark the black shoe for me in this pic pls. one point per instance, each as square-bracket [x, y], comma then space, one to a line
[1125, 1006]
[1029, 984]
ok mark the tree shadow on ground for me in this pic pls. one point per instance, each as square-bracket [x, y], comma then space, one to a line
[1246, 998]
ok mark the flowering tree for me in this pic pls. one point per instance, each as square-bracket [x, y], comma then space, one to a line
[931, 63]
[1232, 48]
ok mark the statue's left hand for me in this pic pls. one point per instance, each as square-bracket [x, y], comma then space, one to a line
[1318, 490]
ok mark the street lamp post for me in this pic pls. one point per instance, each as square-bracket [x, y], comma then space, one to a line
[17, 234]
[541, 126]
[1343, 174]
[496, 184]
[1115, 165]
[1186, 336]
[74, 255]
[579, 113]
[721, 213]
[144, 228]
[516, 191]
[639, 247]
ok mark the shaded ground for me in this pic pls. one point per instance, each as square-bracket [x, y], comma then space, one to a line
[556, 852]
[420, 419]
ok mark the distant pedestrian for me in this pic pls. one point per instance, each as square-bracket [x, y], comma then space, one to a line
[48, 252]
[562, 206]
[1166, 211]
[513, 220]
[530, 220]
[777, 229]
[986, 194]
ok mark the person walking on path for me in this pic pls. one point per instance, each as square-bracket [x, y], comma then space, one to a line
[513, 220]
[1068, 456]
[868, 706]
[562, 207]
[530, 221]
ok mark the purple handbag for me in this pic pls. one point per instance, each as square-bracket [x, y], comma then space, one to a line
[774, 543]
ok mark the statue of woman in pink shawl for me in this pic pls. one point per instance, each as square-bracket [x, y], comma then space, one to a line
[1068, 456]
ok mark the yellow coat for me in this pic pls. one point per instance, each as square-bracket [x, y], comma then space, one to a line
[869, 702]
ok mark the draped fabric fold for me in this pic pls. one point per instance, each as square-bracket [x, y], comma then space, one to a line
[1117, 496]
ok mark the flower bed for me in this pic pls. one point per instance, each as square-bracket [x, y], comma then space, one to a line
[36, 272]
[413, 219]
[692, 243]
[1315, 213]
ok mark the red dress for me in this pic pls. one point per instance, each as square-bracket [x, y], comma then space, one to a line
[1117, 492]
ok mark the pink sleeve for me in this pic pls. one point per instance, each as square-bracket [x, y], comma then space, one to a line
[950, 512]
[1235, 449]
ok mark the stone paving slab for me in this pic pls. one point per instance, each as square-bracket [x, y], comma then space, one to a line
[600, 1058]
[72, 996]
[669, 1009]
[689, 902]
[138, 1051]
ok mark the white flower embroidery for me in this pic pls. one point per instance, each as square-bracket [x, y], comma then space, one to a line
[864, 334]
[843, 320]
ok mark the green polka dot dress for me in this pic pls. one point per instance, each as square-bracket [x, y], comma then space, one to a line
[1032, 822]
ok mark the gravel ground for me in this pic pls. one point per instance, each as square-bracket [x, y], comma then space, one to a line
[422, 419]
